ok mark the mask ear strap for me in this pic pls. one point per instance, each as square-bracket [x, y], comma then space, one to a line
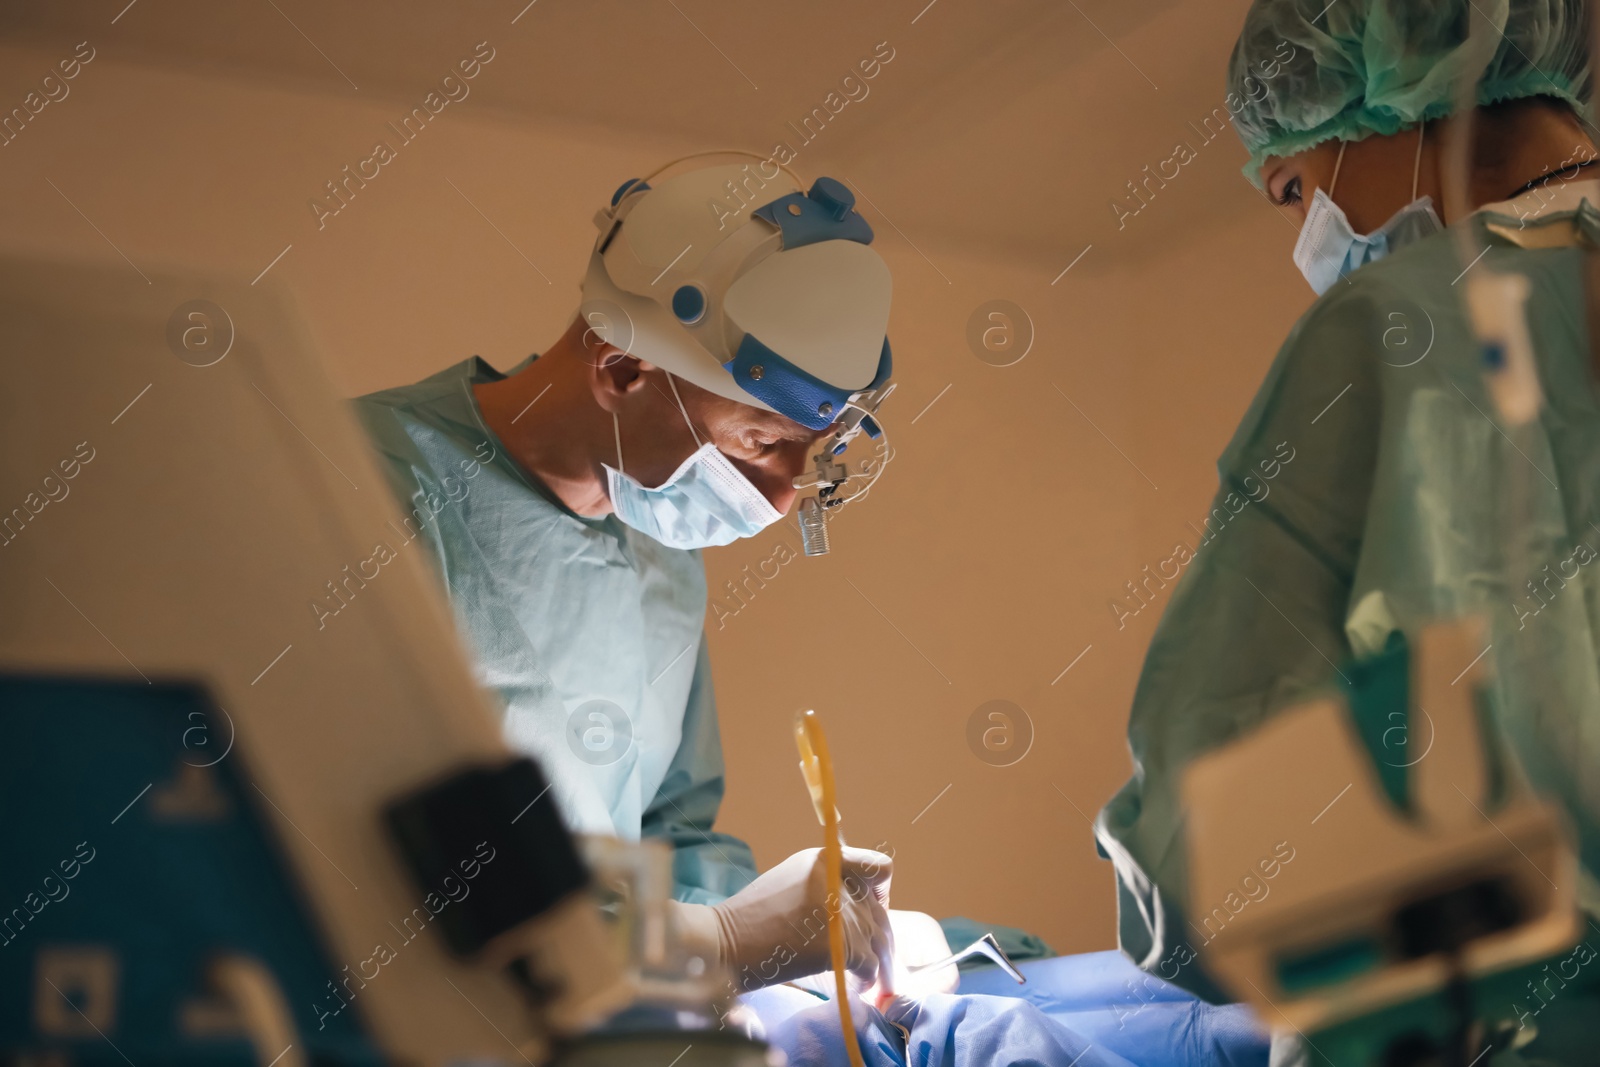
[616, 429]
[685, 411]
[1416, 165]
[1336, 165]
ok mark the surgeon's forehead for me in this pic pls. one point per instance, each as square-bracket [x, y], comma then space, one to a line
[770, 422]
[782, 425]
[746, 416]
[1272, 164]
[1323, 151]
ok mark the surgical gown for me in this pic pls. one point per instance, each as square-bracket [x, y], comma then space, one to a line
[1368, 490]
[590, 633]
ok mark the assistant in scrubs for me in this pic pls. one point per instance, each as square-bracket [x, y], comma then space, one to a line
[1391, 512]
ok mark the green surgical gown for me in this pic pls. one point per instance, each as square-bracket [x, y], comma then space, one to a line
[591, 634]
[1365, 492]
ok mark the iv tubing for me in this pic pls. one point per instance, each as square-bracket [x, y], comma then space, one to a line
[817, 767]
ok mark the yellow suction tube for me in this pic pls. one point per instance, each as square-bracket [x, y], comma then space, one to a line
[817, 767]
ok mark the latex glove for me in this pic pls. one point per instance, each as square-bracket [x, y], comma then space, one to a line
[776, 928]
[918, 939]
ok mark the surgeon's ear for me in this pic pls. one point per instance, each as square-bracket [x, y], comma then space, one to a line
[615, 376]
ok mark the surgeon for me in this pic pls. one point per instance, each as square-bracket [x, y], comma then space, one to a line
[1365, 492]
[730, 319]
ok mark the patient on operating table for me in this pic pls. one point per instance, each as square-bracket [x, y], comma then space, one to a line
[1091, 1010]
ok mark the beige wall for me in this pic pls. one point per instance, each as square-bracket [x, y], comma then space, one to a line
[983, 563]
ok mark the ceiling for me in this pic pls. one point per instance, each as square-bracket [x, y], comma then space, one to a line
[1006, 127]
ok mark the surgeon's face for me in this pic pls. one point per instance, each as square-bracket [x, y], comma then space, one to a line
[767, 448]
[1374, 179]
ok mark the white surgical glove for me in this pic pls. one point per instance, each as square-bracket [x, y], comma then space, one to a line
[918, 940]
[776, 928]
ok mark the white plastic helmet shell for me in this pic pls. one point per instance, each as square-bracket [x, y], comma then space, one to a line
[824, 306]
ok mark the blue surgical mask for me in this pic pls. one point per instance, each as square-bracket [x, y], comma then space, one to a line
[706, 502]
[1328, 248]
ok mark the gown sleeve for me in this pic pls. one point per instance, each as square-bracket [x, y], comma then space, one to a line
[707, 866]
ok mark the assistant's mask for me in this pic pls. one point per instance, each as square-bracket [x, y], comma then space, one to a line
[706, 502]
[1328, 248]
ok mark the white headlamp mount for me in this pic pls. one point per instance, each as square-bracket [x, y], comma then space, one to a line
[733, 279]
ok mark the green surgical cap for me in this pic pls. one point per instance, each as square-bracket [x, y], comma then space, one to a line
[1308, 71]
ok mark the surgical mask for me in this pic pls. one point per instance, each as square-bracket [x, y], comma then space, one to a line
[706, 502]
[1328, 248]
